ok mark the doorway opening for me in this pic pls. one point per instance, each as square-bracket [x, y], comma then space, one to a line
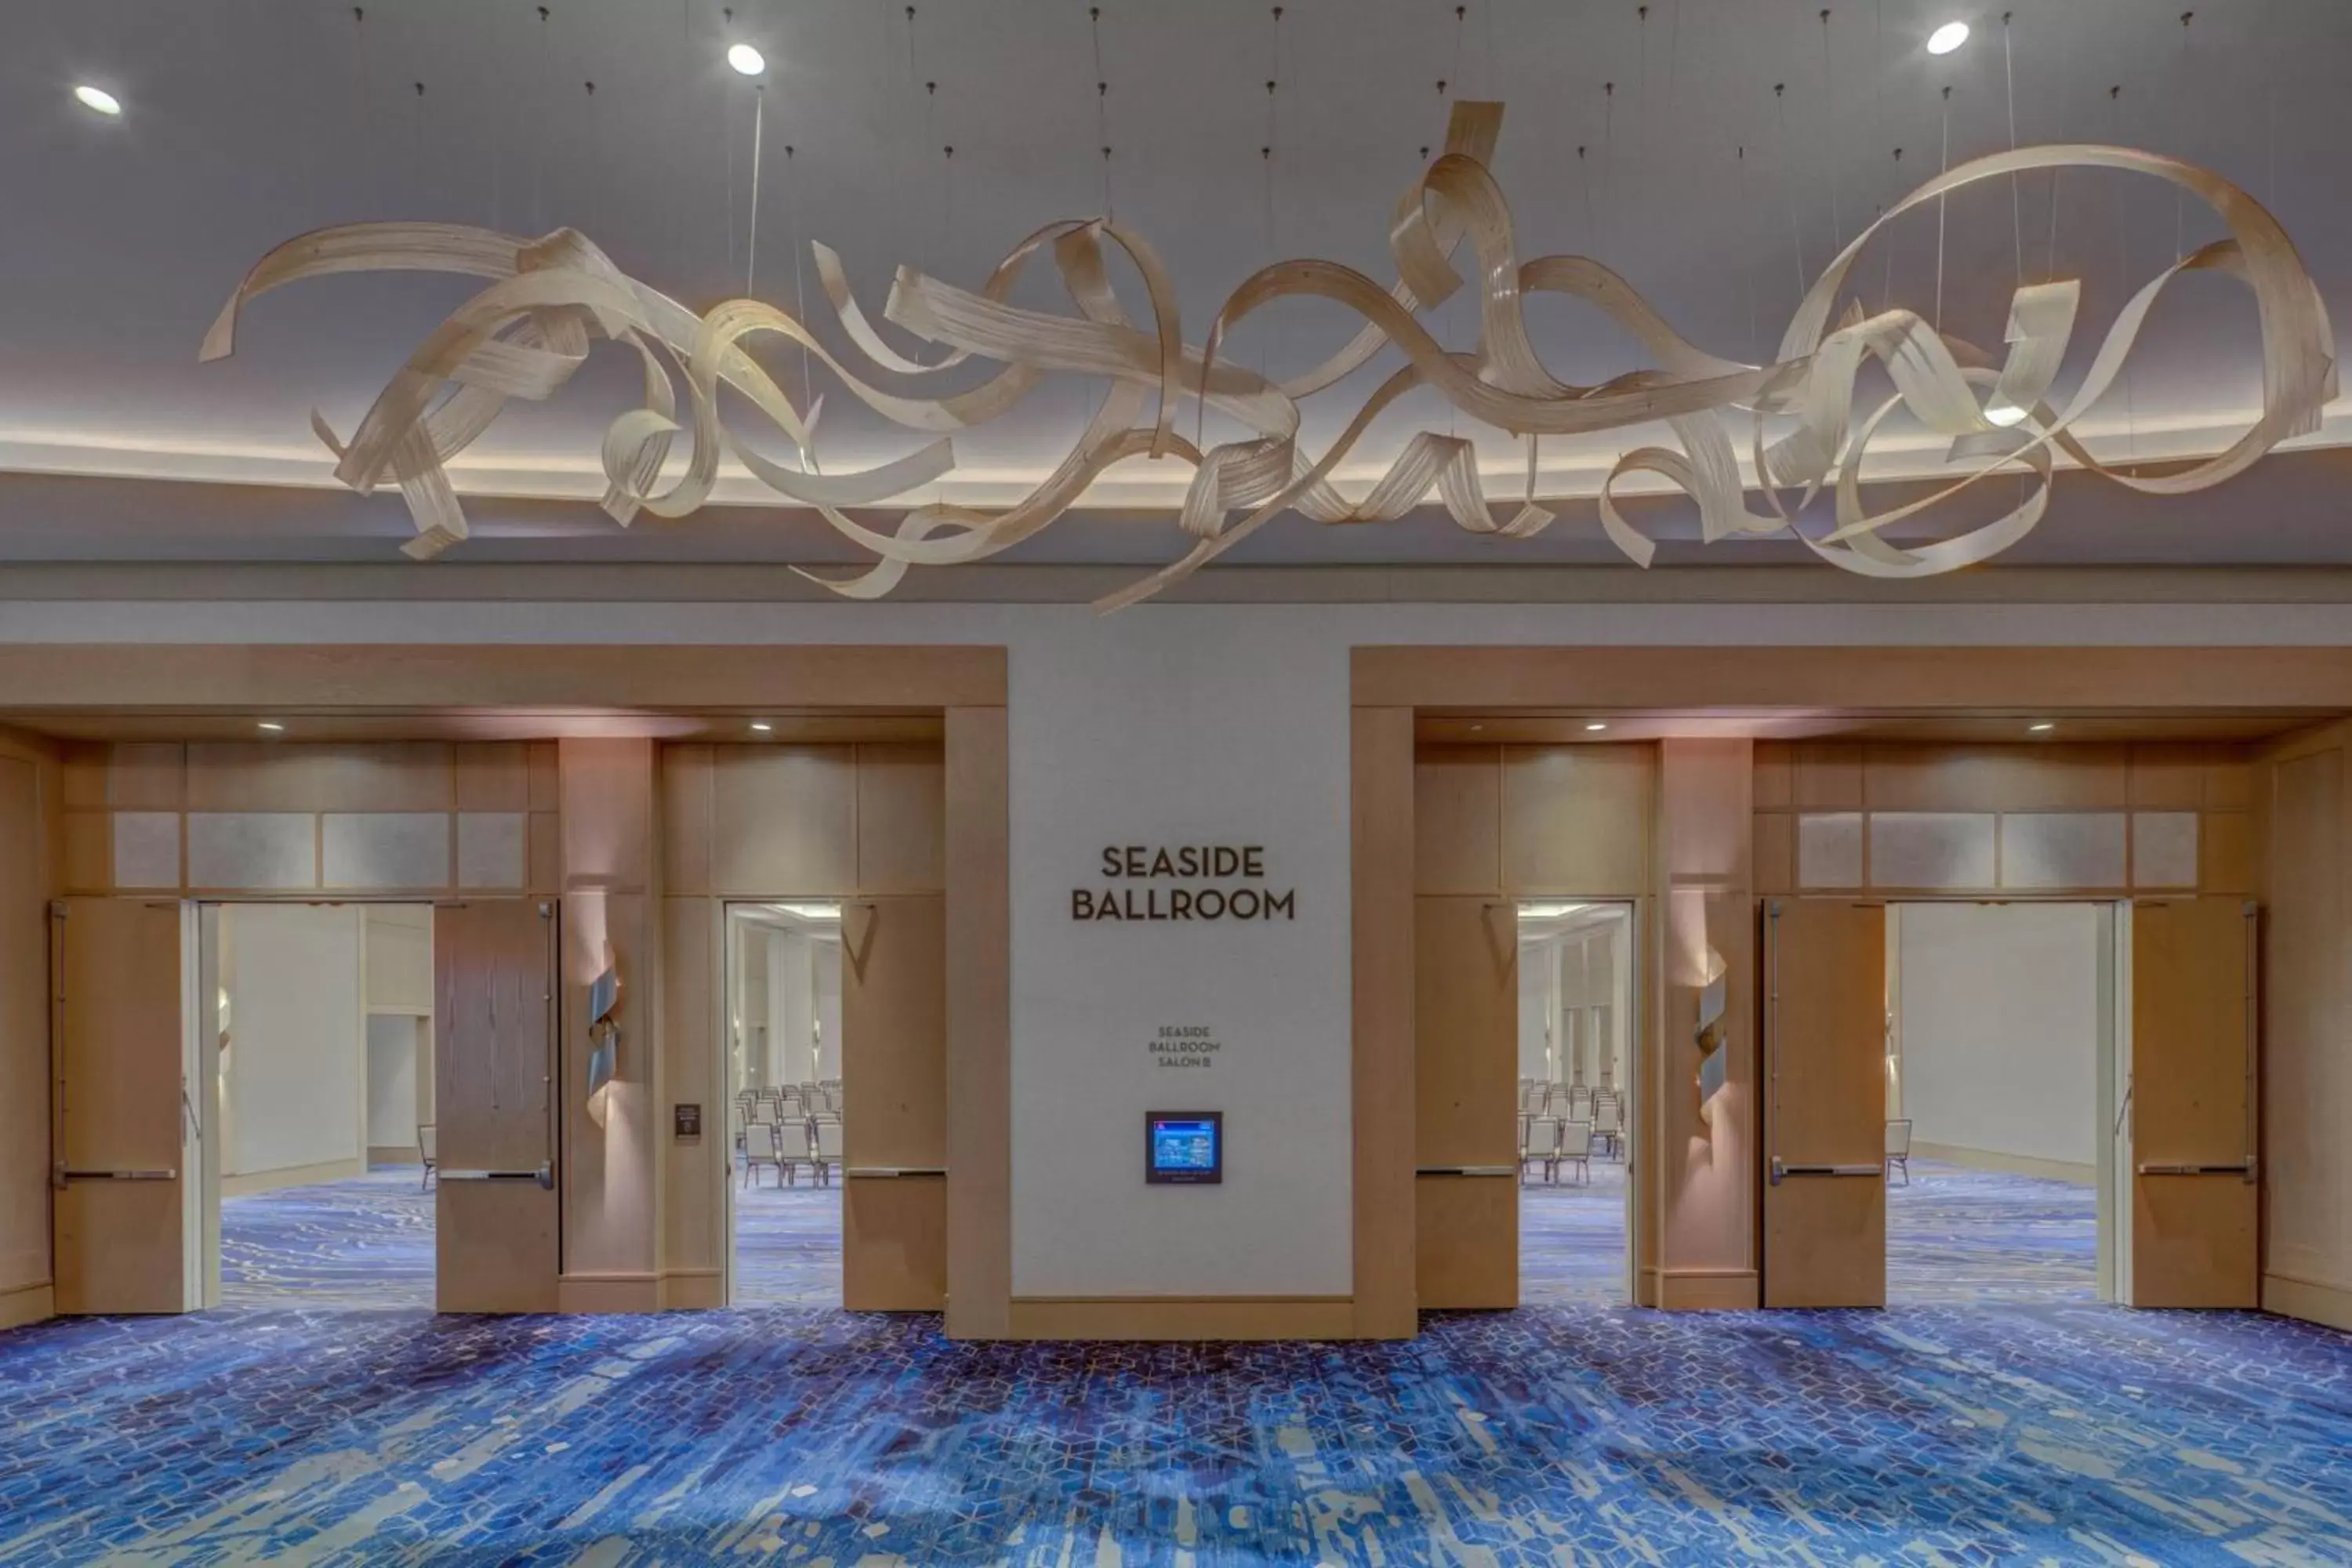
[784, 1104]
[314, 1050]
[2001, 1029]
[1576, 1026]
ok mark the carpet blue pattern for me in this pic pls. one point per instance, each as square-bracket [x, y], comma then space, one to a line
[1956, 1235]
[787, 1244]
[365, 1241]
[1572, 1238]
[1549, 1435]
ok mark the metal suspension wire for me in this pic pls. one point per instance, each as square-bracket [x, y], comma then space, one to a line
[1102, 107]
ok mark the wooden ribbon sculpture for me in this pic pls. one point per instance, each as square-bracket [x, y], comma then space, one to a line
[603, 1035]
[527, 331]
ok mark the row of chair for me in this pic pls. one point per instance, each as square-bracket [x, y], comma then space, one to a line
[1570, 1102]
[787, 1101]
[1550, 1143]
[787, 1146]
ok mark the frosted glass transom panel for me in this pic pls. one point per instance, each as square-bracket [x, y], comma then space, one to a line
[1829, 849]
[491, 850]
[387, 849]
[252, 849]
[2164, 848]
[2062, 849]
[1931, 849]
[146, 848]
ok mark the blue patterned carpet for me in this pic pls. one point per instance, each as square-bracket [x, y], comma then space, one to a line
[1572, 1240]
[363, 1242]
[1955, 1236]
[787, 1245]
[1549, 1435]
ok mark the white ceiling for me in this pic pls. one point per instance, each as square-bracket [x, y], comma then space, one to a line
[251, 121]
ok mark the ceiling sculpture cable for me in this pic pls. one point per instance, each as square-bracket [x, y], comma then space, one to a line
[548, 299]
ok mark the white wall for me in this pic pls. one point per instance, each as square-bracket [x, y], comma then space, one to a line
[1209, 726]
[1538, 1005]
[294, 1076]
[2000, 1019]
[822, 1037]
[395, 1042]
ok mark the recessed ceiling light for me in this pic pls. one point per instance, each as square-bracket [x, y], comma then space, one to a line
[271, 725]
[760, 726]
[749, 61]
[99, 98]
[1595, 727]
[1948, 38]
[2003, 414]
[2043, 727]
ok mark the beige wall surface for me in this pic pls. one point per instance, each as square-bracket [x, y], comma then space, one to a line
[29, 782]
[2307, 1030]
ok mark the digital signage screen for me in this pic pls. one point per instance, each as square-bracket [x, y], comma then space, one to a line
[1184, 1147]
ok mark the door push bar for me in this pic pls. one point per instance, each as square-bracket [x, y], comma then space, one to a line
[2243, 1168]
[1782, 1168]
[889, 1171]
[61, 1174]
[544, 1177]
[1466, 1170]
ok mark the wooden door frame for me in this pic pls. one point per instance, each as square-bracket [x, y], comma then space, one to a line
[1389, 687]
[533, 690]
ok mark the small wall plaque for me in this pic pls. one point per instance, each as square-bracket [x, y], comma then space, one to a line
[685, 1120]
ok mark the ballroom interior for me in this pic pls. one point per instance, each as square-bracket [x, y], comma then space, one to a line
[1359, 782]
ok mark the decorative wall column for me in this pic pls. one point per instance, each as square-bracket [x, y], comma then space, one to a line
[1699, 1243]
[611, 1176]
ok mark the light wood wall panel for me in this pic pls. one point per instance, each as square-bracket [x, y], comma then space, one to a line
[2192, 1057]
[1381, 854]
[117, 1088]
[901, 818]
[1457, 820]
[784, 819]
[694, 1207]
[1465, 1030]
[1468, 1250]
[1576, 820]
[2307, 1030]
[980, 1023]
[31, 783]
[1697, 1244]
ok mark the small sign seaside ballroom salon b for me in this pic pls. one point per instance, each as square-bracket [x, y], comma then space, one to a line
[1184, 882]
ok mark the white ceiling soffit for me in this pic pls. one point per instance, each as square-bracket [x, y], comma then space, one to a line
[1716, 199]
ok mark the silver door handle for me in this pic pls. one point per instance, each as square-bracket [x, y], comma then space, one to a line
[892, 1171]
[544, 1177]
[1467, 1170]
[63, 1174]
[2243, 1168]
[1781, 1168]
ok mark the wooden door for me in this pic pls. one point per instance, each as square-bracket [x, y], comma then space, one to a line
[2194, 1195]
[1465, 1101]
[1825, 1103]
[894, 1121]
[120, 1180]
[496, 1217]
